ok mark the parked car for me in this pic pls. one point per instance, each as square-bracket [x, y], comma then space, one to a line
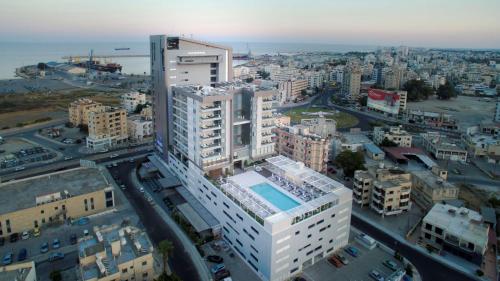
[14, 237]
[218, 267]
[221, 274]
[25, 235]
[342, 259]
[44, 248]
[36, 232]
[23, 253]
[376, 275]
[335, 261]
[85, 232]
[56, 244]
[20, 168]
[141, 190]
[7, 259]
[73, 239]
[391, 265]
[352, 251]
[214, 258]
[56, 256]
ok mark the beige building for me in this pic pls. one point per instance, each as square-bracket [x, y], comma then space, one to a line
[131, 100]
[442, 147]
[58, 196]
[282, 120]
[430, 187]
[351, 82]
[291, 89]
[385, 190]
[299, 144]
[393, 133]
[115, 253]
[107, 128]
[460, 231]
[25, 271]
[79, 111]
[139, 128]
[482, 145]
[321, 126]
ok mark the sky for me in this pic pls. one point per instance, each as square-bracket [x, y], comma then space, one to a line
[426, 23]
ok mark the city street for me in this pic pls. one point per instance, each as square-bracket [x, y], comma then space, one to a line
[179, 262]
[429, 268]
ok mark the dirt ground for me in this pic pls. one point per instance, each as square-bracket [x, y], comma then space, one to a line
[468, 110]
[474, 198]
[17, 108]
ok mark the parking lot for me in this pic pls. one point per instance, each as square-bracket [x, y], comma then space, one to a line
[237, 267]
[357, 269]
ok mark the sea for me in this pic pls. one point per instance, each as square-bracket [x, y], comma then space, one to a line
[17, 54]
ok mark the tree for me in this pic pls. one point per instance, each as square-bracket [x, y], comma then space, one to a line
[165, 247]
[417, 90]
[409, 270]
[249, 80]
[165, 277]
[303, 92]
[363, 100]
[140, 106]
[55, 275]
[388, 143]
[446, 91]
[350, 161]
[263, 74]
[41, 66]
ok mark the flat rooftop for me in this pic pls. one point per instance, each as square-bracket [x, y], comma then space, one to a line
[461, 222]
[133, 242]
[433, 181]
[282, 186]
[25, 191]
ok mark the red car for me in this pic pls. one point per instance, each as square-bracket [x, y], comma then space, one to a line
[335, 261]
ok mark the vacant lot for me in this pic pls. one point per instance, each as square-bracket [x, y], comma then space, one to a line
[468, 110]
[343, 119]
[26, 108]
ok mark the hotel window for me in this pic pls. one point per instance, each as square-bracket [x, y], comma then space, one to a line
[85, 203]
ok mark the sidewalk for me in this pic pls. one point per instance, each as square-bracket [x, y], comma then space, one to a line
[189, 247]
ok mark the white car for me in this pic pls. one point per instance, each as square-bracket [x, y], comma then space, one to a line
[25, 235]
[141, 190]
[85, 232]
[20, 168]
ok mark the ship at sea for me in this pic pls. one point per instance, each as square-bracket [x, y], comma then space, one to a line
[122, 49]
[95, 64]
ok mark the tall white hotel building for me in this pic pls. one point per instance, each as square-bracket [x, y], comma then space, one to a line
[279, 216]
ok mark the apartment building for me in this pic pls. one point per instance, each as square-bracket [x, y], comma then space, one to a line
[107, 128]
[178, 61]
[291, 89]
[442, 147]
[351, 83]
[139, 128]
[321, 126]
[460, 231]
[431, 187]
[393, 78]
[298, 143]
[353, 141]
[116, 253]
[79, 111]
[395, 134]
[496, 117]
[131, 100]
[52, 197]
[386, 190]
[282, 120]
[280, 217]
[482, 145]
[228, 124]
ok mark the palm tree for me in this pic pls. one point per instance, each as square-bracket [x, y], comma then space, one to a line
[166, 247]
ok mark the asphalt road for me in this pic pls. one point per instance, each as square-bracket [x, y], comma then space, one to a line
[429, 269]
[157, 229]
[44, 269]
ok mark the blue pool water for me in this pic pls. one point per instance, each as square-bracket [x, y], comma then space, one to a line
[274, 196]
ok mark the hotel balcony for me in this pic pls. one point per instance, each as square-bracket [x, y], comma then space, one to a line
[210, 108]
[377, 199]
[357, 191]
[378, 191]
[212, 117]
[377, 208]
[210, 127]
[210, 137]
[404, 199]
[209, 147]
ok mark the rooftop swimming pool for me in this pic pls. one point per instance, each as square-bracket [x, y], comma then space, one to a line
[274, 196]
